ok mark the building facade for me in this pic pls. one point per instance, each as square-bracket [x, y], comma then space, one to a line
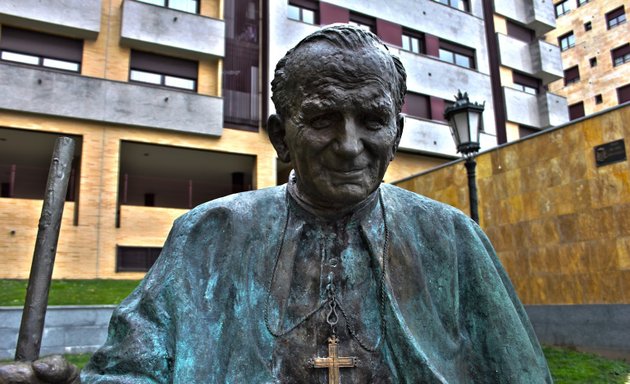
[167, 100]
[594, 38]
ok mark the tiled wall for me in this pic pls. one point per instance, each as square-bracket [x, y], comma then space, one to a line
[559, 223]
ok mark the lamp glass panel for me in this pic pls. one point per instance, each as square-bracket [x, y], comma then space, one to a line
[463, 130]
[474, 125]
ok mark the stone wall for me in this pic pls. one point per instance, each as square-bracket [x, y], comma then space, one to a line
[68, 329]
[559, 223]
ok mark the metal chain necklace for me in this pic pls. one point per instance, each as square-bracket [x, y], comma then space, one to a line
[332, 301]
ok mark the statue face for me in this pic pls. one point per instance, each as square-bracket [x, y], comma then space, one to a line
[342, 132]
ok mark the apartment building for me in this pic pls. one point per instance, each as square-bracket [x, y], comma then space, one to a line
[595, 41]
[167, 101]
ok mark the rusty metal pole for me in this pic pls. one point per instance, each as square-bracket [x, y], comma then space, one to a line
[34, 314]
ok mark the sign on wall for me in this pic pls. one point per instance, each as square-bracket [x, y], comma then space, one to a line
[609, 153]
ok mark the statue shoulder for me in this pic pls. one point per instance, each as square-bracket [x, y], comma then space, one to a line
[410, 203]
[237, 206]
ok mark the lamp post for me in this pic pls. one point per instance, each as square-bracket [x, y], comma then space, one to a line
[464, 119]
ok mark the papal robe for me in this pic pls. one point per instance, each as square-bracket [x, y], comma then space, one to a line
[241, 294]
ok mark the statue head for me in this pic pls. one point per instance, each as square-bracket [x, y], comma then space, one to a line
[338, 95]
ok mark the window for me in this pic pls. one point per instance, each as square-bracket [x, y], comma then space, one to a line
[457, 54]
[620, 55]
[582, 2]
[412, 41]
[571, 75]
[623, 94]
[576, 110]
[588, 26]
[163, 70]
[417, 105]
[242, 66]
[191, 6]
[520, 32]
[34, 48]
[566, 41]
[616, 17]
[304, 11]
[526, 83]
[599, 99]
[136, 259]
[362, 21]
[593, 62]
[562, 8]
[462, 5]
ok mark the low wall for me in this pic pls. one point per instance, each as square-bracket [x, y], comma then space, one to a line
[595, 328]
[601, 329]
[68, 329]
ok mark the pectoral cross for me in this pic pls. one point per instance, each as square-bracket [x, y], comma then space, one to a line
[333, 362]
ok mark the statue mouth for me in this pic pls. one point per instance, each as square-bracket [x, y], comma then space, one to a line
[348, 171]
[344, 176]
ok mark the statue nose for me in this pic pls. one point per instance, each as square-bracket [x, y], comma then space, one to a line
[349, 141]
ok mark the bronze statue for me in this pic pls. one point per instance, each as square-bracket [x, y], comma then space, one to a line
[332, 277]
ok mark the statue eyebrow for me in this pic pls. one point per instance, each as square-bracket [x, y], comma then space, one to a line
[380, 106]
[316, 105]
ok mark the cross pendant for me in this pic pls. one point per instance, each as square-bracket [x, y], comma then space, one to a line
[333, 362]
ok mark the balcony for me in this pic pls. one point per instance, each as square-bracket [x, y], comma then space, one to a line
[538, 58]
[554, 109]
[429, 137]
[534, 14]
[547, 61]
[171, 32]
[538, 111]
[73, 18]
[430, 76]
[48, 92]
[541, 18]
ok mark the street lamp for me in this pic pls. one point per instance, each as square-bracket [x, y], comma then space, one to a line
[464, 119]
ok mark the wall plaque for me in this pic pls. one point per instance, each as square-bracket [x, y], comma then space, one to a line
[609, 153]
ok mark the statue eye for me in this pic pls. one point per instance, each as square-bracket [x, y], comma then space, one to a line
[320, 123]
[374, 123]
[323, 120]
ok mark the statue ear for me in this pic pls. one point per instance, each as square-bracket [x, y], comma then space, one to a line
[400, 123]
[276, 131]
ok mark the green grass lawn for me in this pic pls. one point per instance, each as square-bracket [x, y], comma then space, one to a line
[70, 292]
[571, 367]
[567, 366]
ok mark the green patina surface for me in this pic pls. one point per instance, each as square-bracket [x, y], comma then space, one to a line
[199, 316]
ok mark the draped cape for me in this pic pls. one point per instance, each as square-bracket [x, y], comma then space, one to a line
[451, 313]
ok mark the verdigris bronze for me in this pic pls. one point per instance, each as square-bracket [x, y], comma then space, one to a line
[333, 277]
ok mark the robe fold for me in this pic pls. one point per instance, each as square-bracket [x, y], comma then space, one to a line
[233, 298]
